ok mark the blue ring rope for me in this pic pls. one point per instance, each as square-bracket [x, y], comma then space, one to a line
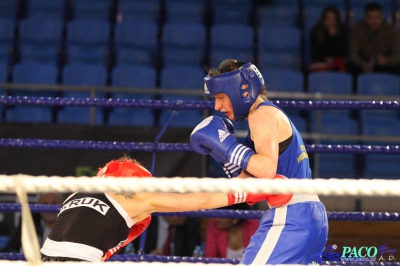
[337, 216]
[158, 258]
[175, 147]
[190, 105]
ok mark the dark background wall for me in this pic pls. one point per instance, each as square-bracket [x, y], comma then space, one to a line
[63, 162]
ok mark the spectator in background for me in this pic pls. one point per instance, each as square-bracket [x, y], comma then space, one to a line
[374, 44]
[171, 236]
[227, 237]
[328, 41]
[43, 223]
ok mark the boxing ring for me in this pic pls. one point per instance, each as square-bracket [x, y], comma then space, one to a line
[23, 184]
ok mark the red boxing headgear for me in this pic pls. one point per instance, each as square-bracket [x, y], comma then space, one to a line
[123, 169]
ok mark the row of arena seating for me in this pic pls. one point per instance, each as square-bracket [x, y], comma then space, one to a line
[288, 12]
[45, 32]
[181, 77]
[87, 40]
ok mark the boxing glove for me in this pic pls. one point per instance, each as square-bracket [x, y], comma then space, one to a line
[212, 137]
[274, 200]
[230, 169]
[249, 198]
[277, 200]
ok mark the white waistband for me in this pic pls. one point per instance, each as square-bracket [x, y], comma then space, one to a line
[300, 198]
[71, 250]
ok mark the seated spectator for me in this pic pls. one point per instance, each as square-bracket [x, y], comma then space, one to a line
[227, 237]
[171, 236]
[328, 42]
[374, 44]
[43, 222]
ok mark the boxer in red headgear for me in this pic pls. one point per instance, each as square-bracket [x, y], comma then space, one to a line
[94, 226]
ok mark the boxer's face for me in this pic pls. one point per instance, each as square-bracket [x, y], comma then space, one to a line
[224, 105]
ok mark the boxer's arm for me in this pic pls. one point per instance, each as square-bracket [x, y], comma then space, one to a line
[140, 205]
[264, 133]
[174, 202]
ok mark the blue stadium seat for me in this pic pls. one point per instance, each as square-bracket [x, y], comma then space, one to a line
[193, 81]
[232, 11]
[279, 39]
[40, 39]
[54, 9]
[378, 84]
[3, 71]
[284, 42]
[332, 165]
[380, 126]
[224, 40]
[136, 76]
[8, 9]
[337, 165]
[34, 73]
[88, 40]
[384, 84]
[382, 166]
[6, 38]
[3, 79]
[7, 30]
[136, 42]
[279, 61]
[82, 74]
[330, 82]
[376, 165]
[283, 80]
[183, 43]
[277, 14]
[141, 10]
[192, 11]
[92, 9]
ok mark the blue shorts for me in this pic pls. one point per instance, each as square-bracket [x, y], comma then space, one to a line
[291, 234]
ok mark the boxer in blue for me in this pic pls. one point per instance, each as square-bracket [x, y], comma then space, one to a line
[290, 232]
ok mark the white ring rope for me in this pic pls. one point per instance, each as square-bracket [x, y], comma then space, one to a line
[340, 187]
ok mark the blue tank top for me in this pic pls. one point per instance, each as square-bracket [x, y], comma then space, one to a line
[293, 162]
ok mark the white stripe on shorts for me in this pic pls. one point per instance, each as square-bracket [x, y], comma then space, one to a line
[272, 237]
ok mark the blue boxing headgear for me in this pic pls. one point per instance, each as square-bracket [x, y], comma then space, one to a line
[242, 86]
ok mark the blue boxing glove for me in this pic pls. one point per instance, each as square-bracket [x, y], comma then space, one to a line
[212, 137]
[230, 169]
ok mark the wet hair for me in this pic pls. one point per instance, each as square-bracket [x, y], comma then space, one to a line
[372, 6]
[229, 65]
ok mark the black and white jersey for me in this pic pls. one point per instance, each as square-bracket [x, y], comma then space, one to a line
[87, 226]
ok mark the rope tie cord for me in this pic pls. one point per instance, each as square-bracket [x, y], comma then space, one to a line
[348, 187]
[29, 239]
